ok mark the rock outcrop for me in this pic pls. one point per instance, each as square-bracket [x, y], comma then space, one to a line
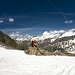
[32, 51]
[40, 52]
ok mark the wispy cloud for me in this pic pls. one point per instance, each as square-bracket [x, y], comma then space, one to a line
[1, 21]
[58, 13]
[17, 29]
[68, 22]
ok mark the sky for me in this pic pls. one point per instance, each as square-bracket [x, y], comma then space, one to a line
[33, 17]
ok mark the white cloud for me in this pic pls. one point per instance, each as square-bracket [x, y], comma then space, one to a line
[68, 22]
[52, 34]
[46, 33]
[57, 32]
[11, 20]
[15, 34]
[1, 21]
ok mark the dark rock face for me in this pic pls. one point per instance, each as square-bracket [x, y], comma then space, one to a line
[7, 41]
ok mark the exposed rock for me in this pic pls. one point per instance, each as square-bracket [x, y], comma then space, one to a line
[40, 52]
[34, 51]
[7, 41]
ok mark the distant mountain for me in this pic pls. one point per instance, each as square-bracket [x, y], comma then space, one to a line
[44, 36]
[64, 44]
[63, 41]
[52, 34]
[7, 41]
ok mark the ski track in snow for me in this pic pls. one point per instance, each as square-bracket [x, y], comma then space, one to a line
[15, 62]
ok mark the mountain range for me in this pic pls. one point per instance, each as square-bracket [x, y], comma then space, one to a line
[53, 41]
[52, 34]
[63, 41]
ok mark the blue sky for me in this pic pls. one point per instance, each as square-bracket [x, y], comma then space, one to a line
[36, 16]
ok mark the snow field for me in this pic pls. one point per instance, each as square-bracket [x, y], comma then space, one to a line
[15, 62]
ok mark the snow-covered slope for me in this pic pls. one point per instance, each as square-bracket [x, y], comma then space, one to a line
[14, 62]
[68, 33]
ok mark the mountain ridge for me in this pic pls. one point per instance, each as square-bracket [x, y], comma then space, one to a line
[52, 34]
[61, 40]
[7, 41]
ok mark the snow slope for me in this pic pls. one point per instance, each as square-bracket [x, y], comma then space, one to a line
[14, 62]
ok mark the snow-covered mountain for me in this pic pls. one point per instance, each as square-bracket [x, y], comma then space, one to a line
[16, 62]
[68, 33]
[52, 34]
[53, 40]
[18, 37]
